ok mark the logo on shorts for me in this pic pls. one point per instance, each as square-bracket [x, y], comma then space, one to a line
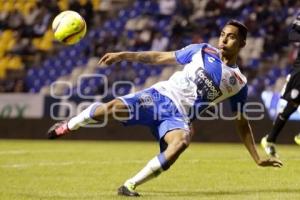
[146, 100]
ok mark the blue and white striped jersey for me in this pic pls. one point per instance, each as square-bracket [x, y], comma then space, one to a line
[205, 80]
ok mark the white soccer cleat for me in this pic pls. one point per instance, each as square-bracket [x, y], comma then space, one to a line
[128, 189]
[297, 138]
[269, 147]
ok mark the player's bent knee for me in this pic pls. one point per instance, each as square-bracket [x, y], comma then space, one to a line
[118, 110]
[179, 145]
[288, 110]
[183, 144]
[113, 109]
[177, 142]
[184, 141]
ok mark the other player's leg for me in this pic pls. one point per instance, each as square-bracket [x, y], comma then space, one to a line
[268, 142]
[177, 141]
[94, 113]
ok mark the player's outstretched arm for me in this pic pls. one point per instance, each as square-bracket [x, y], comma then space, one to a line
[148, 57]
[245, 132]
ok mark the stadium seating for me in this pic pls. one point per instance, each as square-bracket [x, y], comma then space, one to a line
[132, 28]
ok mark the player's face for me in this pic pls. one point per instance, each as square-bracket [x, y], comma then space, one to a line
[229, 41]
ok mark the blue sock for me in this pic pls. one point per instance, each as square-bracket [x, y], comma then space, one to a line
[164, 163]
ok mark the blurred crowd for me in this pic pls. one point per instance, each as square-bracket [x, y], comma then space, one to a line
[26, 59]
[26, 36]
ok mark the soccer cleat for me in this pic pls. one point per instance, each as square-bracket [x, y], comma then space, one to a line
[128, 191]
[297, 139]
[58, 129]
[269, 147]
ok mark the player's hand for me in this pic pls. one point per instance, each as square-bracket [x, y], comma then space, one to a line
[109, 58]
[271, 162]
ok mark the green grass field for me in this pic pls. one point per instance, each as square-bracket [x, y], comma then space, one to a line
[94, 170]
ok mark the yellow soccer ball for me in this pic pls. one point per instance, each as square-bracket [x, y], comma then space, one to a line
[69, 27]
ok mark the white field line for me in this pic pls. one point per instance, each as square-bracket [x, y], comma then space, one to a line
[48, 164]
[107, 162]
[12, 152]
[68, 163]
[20, 152]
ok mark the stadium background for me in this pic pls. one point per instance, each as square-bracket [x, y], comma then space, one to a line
[31, 61]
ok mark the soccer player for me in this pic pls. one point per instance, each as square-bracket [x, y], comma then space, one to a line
[290, 94]
[210, 75]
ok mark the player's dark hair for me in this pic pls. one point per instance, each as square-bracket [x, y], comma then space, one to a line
[243, 30]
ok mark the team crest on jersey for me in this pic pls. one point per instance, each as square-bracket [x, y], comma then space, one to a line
[232, 80]
[211, 59]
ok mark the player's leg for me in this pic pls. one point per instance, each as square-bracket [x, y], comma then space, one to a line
[281, 121]
[268, 142]
[291, 95]
[177, 141]
[297, 137]
[94, 113]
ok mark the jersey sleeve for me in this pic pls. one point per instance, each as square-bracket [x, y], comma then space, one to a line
[238, 100]
[184, 55]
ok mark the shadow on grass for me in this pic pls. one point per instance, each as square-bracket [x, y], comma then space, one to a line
[221, 192]
[25, 195]
[155, 194]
